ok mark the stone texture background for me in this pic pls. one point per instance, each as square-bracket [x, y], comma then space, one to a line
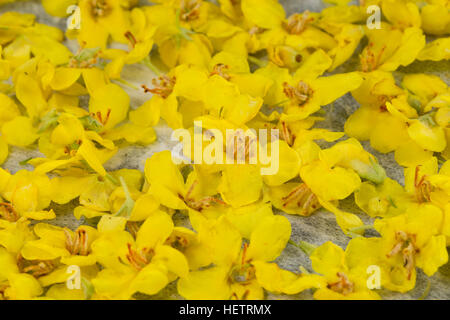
[317, 229]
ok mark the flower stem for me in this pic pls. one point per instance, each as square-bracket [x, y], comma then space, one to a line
[426, 292]
[126, 83]
[128, 204]
[306, 247]
[361, 228]
[147, 62]
[112, 179]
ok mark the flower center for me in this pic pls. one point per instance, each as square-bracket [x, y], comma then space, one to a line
[304, 198]
[71, 149]
[221, 70]
[99, 8]
[297, 23]
[190, 9]
[178, 242]
[99, 117]
[36, 268]
[77, 244]
[84, 58]
[255, 30]
[201, 204]
[242, 272]
[370, 61]
[406, 246]
[299, 94]
[343, 285]
[162, 86]
[8, 213]
[422, 186]
[139, 259]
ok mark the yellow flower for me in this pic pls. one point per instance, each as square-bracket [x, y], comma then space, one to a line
[101, 19]
[299, 31]
[240, 273]
[335, 175]
[305, 92]
[140, 38]
[168, 186]
[411, 240]
[13, 235]
[27, 194]
[143, 265]
[424, 184]
[382, 200]
[177, 41]
[104, 196]
[16, 285]
[23, 37]
[390, 48]
[73, 247]
[343, 281]
[414, 131]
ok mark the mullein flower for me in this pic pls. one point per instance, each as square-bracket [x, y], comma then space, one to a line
[336, 174]
[389, 48]
[343, 281]
[239, 273]
[14, 284]
[426, 184]
[26, 194]
[170, 188]
[304, 93]
[177, 42]
[107, 17]
[22, 37]
[73, 247]
[145, 264]
[411, 240]
[382, 200]
[140, 43]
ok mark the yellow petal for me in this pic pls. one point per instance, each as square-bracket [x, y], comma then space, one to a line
[269, 238]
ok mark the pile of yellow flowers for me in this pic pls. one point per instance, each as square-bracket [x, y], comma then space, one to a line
[231, 64]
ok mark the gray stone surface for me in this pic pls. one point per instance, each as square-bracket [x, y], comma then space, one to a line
[317, 229]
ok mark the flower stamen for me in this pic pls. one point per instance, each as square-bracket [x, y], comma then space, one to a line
[99, 8]
[343, 285]
[163, 86]
[406, 246]
[220, 70]
[423, 187]
[190, 10]
[369, 61]
[297, 23]
[139, 259]
[299, 94]
[78, 243]
[8, 212]
[36, 268]
[304, 199]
